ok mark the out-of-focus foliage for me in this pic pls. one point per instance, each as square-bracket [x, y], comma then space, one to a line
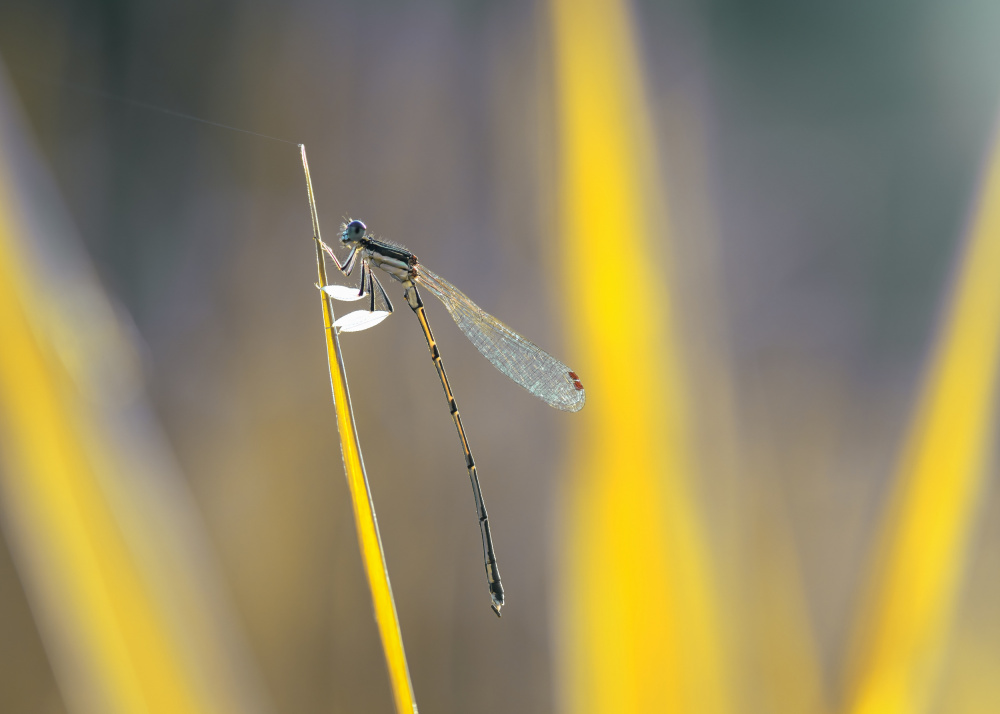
[638, 599]
[905, 629]
[105, 538]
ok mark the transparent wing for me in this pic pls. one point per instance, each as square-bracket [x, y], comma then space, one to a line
[360, 320]
[343, 292]
[523, 361]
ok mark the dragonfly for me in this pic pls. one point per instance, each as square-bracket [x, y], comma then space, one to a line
[524, 362]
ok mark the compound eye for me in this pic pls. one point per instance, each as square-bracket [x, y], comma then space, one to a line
[356, 229]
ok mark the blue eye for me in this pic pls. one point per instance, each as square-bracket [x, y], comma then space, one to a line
[356, 229]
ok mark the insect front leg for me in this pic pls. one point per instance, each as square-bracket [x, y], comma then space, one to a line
[347, 267]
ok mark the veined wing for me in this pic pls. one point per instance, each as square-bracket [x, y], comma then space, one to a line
[523, 361]
[359, 319]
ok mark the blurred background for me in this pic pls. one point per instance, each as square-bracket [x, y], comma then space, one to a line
[754, 229]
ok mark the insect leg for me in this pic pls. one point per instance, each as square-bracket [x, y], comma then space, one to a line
[373, 279]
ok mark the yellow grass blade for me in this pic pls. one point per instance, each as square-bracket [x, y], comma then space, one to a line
[357, 481]
[972, 685]
[639, 627]
[904, 626]
[104, 543]
[784, 650]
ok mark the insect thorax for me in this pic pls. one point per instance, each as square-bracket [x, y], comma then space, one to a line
[394, 260]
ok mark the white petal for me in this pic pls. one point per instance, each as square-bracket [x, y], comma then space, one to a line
[360, 320]
[343, 292]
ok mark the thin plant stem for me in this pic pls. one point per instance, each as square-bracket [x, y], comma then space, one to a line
[357, 481]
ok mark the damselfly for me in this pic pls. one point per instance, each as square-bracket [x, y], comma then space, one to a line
[523, 361]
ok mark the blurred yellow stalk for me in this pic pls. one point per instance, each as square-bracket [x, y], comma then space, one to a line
[903, 628]
[357, 480]
[783, 643]
[639, 627]
[103, 542]
[972, 685]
